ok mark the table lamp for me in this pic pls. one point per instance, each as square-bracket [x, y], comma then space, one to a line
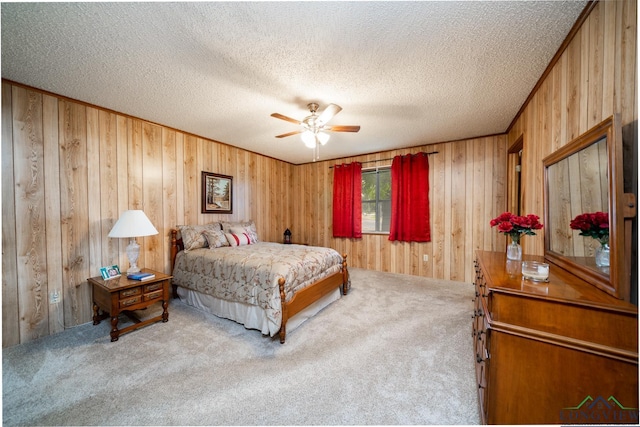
[132, 224]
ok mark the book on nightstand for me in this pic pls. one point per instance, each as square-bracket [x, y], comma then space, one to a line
[141, 276]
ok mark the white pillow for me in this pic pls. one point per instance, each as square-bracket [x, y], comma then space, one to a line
[238, 239]
[249, 227]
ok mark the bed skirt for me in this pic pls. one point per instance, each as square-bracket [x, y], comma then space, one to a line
[251, 316]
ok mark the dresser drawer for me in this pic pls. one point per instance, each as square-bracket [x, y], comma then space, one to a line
[127, 302]
[130, 292]
[153, 295]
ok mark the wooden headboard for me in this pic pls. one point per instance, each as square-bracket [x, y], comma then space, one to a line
[176, 246]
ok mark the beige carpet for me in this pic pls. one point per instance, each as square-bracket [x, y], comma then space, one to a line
[396, 350]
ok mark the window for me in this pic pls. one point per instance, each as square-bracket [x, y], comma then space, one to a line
[376, 200]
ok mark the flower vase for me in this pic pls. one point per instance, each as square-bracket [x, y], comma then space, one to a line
[514, 250]
[602, 255]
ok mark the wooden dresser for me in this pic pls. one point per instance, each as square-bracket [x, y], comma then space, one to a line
[552, 353]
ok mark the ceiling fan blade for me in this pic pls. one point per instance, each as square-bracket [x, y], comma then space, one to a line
[342, 128]
[288, 119]
[289, 134]
[328, 113]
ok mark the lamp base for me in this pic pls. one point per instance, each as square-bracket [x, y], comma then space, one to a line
[133, 252]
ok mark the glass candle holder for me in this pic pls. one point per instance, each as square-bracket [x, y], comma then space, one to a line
[536, 271]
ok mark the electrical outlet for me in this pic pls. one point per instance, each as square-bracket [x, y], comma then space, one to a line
[54, 297]
[425, 258]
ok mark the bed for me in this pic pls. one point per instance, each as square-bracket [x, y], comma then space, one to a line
[224, 269]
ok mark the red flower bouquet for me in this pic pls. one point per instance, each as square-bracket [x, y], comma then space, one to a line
[515, 225]
[595, 225]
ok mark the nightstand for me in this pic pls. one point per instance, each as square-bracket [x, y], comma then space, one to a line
[121, 295]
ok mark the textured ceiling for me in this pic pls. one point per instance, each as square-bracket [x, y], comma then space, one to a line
[409, 73]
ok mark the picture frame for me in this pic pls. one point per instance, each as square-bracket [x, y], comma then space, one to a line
[110, 272]
[217, 193]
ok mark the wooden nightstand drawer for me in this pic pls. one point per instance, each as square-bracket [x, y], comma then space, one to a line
[130, 301]
[130, 292]
[153, 295]
[152, 287]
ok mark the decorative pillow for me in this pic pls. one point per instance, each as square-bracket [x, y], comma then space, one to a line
[215, 238]
[248, 226]
[192, 236]
[238, 239]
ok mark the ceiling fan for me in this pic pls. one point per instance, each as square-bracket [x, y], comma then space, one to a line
[313, 128]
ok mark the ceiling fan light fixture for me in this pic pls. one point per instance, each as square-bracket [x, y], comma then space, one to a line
[323, 137]
[308, 138]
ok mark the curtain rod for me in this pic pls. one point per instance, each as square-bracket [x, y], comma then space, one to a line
[385, 160]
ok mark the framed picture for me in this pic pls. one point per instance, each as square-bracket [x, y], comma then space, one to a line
[110, 272]
[217, 193]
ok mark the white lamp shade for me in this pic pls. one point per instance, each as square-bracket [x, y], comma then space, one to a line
[323, 137]
[308, 138]
[133, 223]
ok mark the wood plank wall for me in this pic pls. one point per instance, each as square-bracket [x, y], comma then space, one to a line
[466, 190]
[70, 169]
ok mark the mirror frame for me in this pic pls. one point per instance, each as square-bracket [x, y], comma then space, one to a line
[615, 283]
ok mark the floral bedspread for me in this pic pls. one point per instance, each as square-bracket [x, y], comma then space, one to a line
[249, 274]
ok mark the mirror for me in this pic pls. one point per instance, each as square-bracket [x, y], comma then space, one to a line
[585, 177]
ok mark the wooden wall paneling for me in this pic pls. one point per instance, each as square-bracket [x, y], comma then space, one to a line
[558, 101]
[10, 312]
[458, 211]
[584, 76]
[135, 197]
[278, 202]
[499, 181]
[545, 122]
[28, 151]
[94, 166]
[244, 204]
[207, 151]
[472, 186]
[573, 88]
[595, 61]
[180, 177]
[135, 154]
[327, 185]
[608, 58]
[528, 164]
[437, 186]
[52, 211]
[192, 176]
[170, 193]
[629, 74]
[261, 193]
[489, 211]
[152, 248]
[74, 215]
[199, 165]
[123, 134]
[252, 182]
[107, 167]
[446, 153]
[478, 217]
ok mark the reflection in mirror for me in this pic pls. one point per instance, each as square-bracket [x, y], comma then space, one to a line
[578, 184]
[585, 177]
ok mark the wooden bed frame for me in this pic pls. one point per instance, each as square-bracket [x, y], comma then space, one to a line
[301, 299]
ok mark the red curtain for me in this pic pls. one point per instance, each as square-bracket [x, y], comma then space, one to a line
[410, 198]
[347, 200]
